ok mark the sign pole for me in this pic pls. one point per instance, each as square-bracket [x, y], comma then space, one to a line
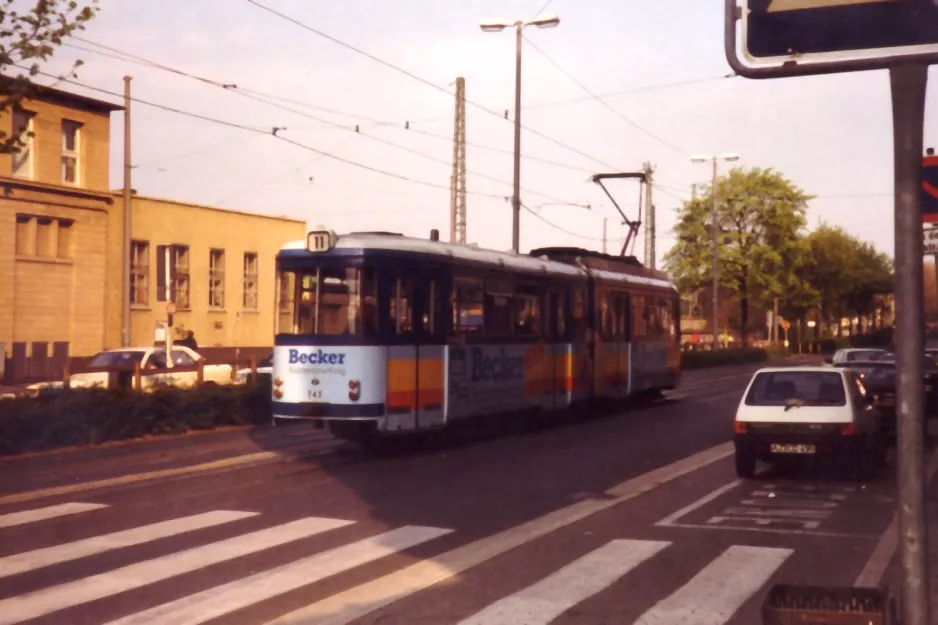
[908, 83]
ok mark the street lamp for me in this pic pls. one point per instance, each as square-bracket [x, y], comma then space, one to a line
[494, 26]
[703, 158]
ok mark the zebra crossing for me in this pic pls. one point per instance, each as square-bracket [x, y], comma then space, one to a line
[711, 597]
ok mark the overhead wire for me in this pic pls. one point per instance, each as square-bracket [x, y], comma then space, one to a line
[265, 98]
[423, 81]
[608, 106]
[274, 133]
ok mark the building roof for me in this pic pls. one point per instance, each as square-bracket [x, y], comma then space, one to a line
[118, 193]
[52, 95]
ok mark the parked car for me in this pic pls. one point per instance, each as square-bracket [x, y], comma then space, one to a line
[808, 411]
[149, 359]
[879, 379]
[850, 354]
[265, 368]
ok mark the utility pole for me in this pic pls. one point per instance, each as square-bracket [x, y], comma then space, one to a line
[125, 300]
[650, 217]
[693, 191]
[605, 222]
[716, 258]
[457, 228]
[775, 321]
[516, 191]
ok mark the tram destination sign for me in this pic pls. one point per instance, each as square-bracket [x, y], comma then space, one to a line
[792, 37]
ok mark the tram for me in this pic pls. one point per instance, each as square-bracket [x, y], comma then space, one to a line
[380, 334]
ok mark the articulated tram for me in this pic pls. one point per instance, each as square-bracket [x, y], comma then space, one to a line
[378, 333]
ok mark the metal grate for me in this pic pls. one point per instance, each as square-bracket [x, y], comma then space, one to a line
[827, 605]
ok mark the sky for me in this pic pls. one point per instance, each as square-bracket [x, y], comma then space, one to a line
[665, 92]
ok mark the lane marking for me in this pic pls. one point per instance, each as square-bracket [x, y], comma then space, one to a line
[38, 558]
[718, 591]
[227, 598]
[771, 530]
[51, 512]
[357, 602]
[671, 518]
[139, 477]
[885, 549]
[544, 601]
[55, 598]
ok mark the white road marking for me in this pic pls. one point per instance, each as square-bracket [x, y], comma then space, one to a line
[52, 599]
[882, 554]
[50, 512]
[354, 603]
[544, 601]
[671, 518]
[718, 591]
[38, 558]
[227, 598]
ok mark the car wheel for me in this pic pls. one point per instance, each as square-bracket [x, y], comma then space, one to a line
[745, 465]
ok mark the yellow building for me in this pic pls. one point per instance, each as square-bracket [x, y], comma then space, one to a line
[61, 249]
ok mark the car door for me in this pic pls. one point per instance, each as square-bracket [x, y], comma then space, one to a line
[864, 415]
[182, 359]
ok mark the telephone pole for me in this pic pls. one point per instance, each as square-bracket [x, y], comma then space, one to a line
[605, 221]
[650, 254]
[125, 274]
[457, 216]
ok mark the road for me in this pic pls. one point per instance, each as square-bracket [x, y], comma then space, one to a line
[634, 518]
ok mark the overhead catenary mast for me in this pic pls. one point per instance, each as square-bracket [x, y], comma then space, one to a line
[457, 227]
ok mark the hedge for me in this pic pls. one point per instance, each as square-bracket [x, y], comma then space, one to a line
[68, 418]
[731, 356]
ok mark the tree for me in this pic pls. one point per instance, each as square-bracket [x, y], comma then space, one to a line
[29, 38]
[761, 216]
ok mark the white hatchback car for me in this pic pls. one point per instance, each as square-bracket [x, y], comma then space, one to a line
[808, 411]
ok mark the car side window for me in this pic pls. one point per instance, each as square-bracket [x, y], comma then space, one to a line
[857, 390]
[182, 359]
[157, 360]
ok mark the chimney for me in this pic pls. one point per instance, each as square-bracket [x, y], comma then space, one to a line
[434, 235]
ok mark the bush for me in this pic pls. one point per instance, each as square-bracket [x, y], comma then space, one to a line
[65, 418]
[721, 357]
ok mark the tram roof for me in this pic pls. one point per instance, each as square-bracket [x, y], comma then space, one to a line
[358, 243]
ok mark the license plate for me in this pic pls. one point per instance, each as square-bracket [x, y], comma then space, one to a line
[792, 449]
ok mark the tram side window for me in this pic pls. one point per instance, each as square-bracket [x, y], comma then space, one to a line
[306, 289]
[402, 307]
[527, 317]
[560, 308]
[639, 316]
[498, 308]
[620, 302]
[433, 311]
[468, 306]
[603, 314]
[285, 302]
[578, 322]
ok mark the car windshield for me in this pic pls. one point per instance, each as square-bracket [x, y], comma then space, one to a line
[868, 354]
[116, 359]
[783, 388]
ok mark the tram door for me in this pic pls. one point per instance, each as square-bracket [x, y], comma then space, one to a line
[415, 352]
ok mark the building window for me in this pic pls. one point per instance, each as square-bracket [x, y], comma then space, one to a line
[43, 237]
[176, 280]
[139, 273]
[23, 155]
[71, 144]
[249, 297]
[216, 278]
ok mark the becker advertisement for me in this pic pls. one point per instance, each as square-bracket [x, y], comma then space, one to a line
[490, 378]
[333, 375]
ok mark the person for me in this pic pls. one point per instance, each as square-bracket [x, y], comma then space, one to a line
[189, 341]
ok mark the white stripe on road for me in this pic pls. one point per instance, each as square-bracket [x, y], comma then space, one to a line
[38, 558]
[51, 512]
[546, 600]
[48, 600]
[718, 591]
[354, 603]
[221, 600]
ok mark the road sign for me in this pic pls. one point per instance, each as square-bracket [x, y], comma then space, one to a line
[786, 325]
[930, 241]
[802, 36]
[930, 189]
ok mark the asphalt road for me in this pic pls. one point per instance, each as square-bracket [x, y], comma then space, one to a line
[634, 518]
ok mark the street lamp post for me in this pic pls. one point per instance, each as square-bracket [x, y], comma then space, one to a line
[494, 26]
[715, 233]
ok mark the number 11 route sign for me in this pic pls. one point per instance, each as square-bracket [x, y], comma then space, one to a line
[792, 37]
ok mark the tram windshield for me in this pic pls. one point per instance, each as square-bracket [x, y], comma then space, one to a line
[329, 301]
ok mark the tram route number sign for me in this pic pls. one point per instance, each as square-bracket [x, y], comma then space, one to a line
[794, 35]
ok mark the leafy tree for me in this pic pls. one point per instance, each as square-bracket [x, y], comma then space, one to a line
[30, 32]
[760, 215]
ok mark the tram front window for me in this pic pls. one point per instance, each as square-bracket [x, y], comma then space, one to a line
[329, 301]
